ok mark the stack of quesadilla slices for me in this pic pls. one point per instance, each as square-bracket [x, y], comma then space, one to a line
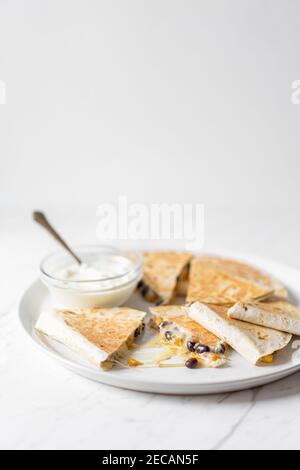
[242, 306]
[228, 299]
[256, 344]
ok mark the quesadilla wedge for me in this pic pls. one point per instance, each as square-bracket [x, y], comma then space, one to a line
[224, 282]
[102, 336]
[163, 273]
[255, 343]
[279, 315]
[189, 339]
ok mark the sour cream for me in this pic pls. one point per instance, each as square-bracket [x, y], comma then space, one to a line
[98, 271]
[106, 278]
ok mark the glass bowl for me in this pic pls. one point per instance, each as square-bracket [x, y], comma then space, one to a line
[115, 277]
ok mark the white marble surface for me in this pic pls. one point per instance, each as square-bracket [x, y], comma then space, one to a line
[43, 406]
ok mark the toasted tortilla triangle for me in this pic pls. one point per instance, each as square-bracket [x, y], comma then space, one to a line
[277, 314]
[224, 282]
[251, 341]
[99, 335]
[163, 272]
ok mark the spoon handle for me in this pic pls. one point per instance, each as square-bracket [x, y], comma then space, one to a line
[41, 219]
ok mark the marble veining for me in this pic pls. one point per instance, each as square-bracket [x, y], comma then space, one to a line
[234, 429]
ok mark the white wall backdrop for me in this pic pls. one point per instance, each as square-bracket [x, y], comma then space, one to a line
[161, 100]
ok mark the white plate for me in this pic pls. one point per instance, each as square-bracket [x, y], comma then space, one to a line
[237, 375]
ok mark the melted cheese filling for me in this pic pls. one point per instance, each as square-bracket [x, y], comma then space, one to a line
[178, 344]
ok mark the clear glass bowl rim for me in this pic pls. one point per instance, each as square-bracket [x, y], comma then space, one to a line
[106, 249]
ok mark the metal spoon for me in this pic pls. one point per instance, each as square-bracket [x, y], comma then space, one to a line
[41, 219]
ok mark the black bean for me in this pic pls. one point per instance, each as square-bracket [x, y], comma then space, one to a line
[163, 324]
[137, 332]
[220, 348]
[145, 290]
[191, 363]
[168, 335]
[191, 346]
[201, 348]
[140, 284]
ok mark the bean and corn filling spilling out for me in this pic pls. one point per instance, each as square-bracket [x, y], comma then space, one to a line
[194, 353]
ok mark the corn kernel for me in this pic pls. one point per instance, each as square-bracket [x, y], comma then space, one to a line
[133, 362]
[178, 342]
[267, 359]
[214, 357]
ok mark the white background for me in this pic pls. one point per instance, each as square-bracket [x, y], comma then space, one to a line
[162, 101]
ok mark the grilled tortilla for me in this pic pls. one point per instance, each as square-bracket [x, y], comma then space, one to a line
[163, 273]
[102, 336]
[254, 343]
[224, 282]
[278, 314]
[177, 329]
